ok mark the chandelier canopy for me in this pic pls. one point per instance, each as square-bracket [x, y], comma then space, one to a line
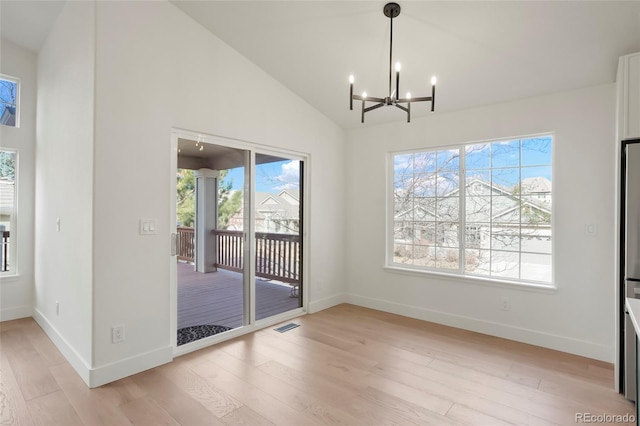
[391, 10]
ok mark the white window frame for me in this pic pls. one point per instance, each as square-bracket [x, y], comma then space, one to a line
[13, 238]
[17, 82]
[462, 220]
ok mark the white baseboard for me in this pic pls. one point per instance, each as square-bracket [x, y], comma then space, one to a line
[99, 376]
[16, 312]
[532, 337]
[76, 361]
[111, 372]
[327, 302]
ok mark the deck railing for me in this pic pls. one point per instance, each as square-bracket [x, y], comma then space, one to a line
[277, 255]
[186, 243]
[4, 252]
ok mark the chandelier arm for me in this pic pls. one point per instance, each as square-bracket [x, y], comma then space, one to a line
[372, 107]
[407, 100]
[406, 109]
[368, 98]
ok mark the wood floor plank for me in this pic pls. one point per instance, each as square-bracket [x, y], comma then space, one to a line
[93, 406]
[259, 401]
[29, 367]
[218, 402]
[245, 416]
[175, 401]
[53, 409]
[145, 411]
[13, 408]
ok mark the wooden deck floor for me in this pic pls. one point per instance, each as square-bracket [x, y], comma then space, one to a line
[216, 298]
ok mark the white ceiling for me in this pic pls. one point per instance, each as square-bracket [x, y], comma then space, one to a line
[481, 52]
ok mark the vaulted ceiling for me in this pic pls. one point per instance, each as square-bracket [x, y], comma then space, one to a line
[481, 52]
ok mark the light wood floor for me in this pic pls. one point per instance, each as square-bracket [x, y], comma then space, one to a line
[346, 365]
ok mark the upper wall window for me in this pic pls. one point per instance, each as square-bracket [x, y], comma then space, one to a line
[479, 209]
[9, 101]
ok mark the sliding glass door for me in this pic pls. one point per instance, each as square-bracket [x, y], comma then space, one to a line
[278, 237]
[238, 248]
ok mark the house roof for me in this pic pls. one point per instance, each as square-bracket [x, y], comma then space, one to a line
[503, 206]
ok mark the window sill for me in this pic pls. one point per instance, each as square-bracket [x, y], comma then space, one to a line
[544, 288]
[9, 278]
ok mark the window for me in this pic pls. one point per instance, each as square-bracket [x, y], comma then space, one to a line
[8, 174]
[479, 209]
[9, 95]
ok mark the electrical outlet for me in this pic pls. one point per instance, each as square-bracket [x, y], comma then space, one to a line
[117, 333]
[506, 304]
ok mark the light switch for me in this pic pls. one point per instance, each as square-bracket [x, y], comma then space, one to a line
[147, 226]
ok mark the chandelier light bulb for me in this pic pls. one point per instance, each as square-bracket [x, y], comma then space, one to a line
[398, 66]
[364, 94]
[408, 95]
[201, 147]
[351, 79]
[433, 80]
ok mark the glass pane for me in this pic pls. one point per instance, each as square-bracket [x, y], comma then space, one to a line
[447, 184]
[506, 179]
[478, 209]
[447, 258]
[403, 185]
[505, 210]
[403, 208]
[426, 233]
[425, 162]
[477, 235]
[424, 185]
[536, 267]
[505, 154]
[536, 151]
[535, 214]
[447, 234]
[505, 264]
[403, 232]
[477, 262]
[448, 209]
[7, 210]
[536, 239]
[505, 238]
[403, 164]
[478, 156]
[479, 183]
[403, 253]
[448, 160]
[424, 256]
[424, 209]
[278, 237]
[8, 102]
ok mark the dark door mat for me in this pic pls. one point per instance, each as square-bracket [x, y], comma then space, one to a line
[197, 332]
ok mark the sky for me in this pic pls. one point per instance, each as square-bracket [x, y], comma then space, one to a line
[270, 177]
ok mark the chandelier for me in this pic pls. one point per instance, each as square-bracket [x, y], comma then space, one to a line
[391, 10]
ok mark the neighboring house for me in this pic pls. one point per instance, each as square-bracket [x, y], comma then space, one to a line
[7, 197]
[274, 213]
[496, 218]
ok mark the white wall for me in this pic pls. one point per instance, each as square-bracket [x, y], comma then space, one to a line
[157, 69]
[579, 316]
[16, 292]
[64, 183]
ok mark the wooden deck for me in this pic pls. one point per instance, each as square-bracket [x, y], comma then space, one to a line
[216, 298]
